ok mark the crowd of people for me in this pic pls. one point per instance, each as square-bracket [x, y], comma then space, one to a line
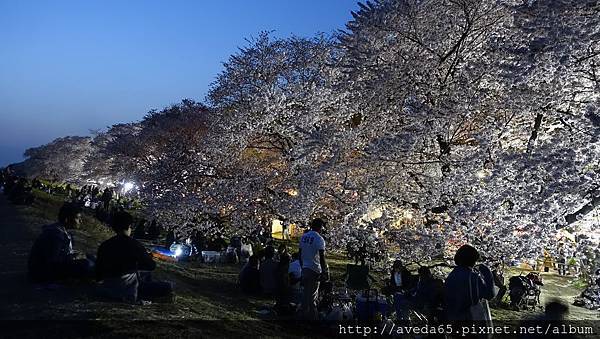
[291, 279]
[122, 264]
[18, 190]
[302, 287]
[275, 274]
[299, 282]
[102, 203]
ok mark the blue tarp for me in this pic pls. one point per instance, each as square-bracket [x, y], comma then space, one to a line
[163, 251]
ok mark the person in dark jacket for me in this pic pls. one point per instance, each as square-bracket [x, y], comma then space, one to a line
[52, 257]
[466, 286]
[429, 294]
[401, 280]
[120, 262]
[250, 277]
[284, 291]
[268, 272]
[106, 197]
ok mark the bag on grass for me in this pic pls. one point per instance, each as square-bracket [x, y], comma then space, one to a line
[369, 304]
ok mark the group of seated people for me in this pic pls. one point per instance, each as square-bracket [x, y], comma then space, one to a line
[91, 196]
[274, 274]
[292, 280]
[122, 265]
[465, 286]
[423, 292]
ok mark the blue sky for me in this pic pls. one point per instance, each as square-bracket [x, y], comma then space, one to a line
[70, 66]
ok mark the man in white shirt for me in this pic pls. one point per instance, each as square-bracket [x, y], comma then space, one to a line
[314, 267]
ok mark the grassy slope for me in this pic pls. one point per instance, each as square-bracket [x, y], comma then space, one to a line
[204, 292]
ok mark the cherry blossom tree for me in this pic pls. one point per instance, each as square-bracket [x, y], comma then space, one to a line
[63, 159]
[423, 125]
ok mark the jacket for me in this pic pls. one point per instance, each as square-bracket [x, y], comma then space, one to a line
[459, 298]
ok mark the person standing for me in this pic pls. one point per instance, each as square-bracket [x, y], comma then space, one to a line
[107, 196]
[466, 286]
[285, 230]
[562, 262]
[314, 267]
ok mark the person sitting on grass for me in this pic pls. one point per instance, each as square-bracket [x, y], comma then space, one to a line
[121, 262]
[295, 278]
[400, 280]
[52, 257]
[284, 297]
[268, 272]
[250, 277]
[429, 294]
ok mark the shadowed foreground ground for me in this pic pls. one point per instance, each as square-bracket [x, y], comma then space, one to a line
[206, 293]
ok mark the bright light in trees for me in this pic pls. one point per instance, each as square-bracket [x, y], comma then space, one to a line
[128, 186]
[534, 125]
[481, 174]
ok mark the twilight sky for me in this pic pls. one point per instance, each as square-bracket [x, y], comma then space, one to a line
[70, 66]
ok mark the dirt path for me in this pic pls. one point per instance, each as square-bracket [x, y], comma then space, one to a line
[16, 238]
[559, 287]
[555, 288]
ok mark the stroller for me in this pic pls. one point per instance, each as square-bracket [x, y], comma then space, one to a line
[334, 305]
[524, 291]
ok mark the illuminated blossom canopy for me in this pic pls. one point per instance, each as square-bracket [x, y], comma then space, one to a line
[423, 125]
